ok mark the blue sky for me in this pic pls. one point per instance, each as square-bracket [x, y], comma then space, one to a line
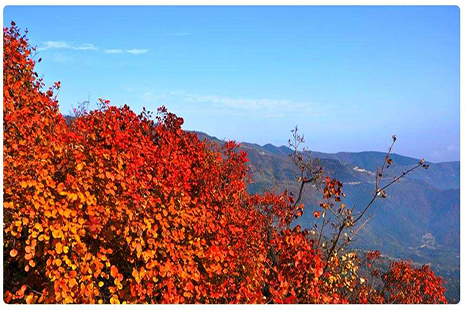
[349, 77]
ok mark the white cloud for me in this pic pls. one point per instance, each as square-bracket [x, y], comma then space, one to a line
[213, 103]
[131, 51]
[47, 45]
[149, 96]
[113, 51]
[85, 47]
[248, 104]
[180, 33]
[53, 45]
[137, 51]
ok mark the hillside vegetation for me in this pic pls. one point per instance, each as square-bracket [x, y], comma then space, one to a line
[123, 208]
[419, 219]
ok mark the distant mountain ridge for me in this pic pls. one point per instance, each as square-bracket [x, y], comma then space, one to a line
[442, 175]
[419, 219]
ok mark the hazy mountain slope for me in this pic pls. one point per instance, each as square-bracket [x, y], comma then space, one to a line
[445, 175]
[419, 219]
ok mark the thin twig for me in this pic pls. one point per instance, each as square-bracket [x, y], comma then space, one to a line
[386, 186]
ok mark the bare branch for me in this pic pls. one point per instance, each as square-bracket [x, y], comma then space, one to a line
[376, 195]
[349, 221]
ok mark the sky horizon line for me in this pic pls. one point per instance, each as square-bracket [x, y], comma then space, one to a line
[350, 77]
[332, 153]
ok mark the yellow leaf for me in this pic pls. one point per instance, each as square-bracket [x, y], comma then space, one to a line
[67, 213]
[29, 298]
[114, 300]
[57, 234]
[59, 248]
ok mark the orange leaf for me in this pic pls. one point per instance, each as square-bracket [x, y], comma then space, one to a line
[13, 253]
[114, 271]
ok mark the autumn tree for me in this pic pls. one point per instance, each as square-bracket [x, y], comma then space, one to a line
[117, 207]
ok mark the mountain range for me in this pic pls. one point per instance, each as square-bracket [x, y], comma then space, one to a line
[418, 220]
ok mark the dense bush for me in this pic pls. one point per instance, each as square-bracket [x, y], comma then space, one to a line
[122, 208]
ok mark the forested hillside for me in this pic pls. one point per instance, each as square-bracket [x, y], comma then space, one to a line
[116, 207]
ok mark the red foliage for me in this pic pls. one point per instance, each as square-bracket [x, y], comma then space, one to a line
[296, 277]
[117, 208]
[405, 284]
